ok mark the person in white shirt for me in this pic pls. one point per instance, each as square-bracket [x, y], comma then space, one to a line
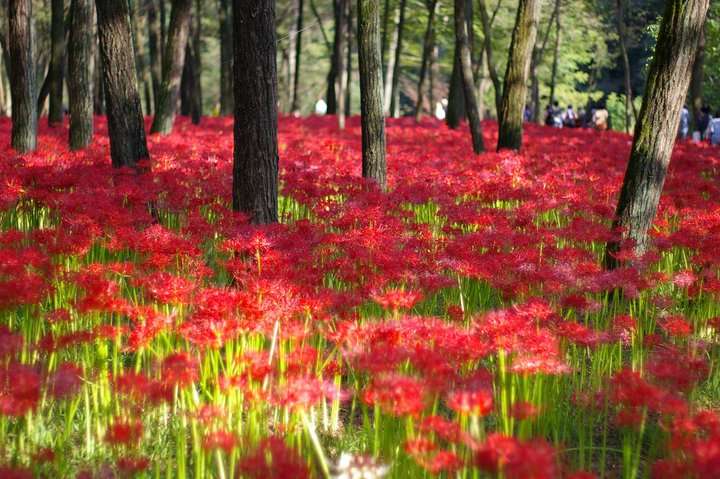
[714, 128]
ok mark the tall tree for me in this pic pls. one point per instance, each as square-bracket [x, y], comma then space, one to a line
[656, 128]
[57, 61]
[337, 69]
[255, 167]
[173, 63]
[471, 107]
[556, 52]
[390, 63]
[487, 23]
[622, 34]
[456, 96]
[125, 121]
[537, 58]
[226, 58]
[197, 36]
[374, 165]
[697, 81]
[426, 54]
[21, 46]
[154, 49]
[510, 116]
[397, 67]
[81, 62]
[295, 107]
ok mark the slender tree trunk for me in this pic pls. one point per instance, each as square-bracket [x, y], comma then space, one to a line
[295, 108]
[99, 89]
[456, 96]
[173, 63]
[154, 49]
[57, 62]
[197, 92]
[390, 65]
[385, 31]
[255, 167]
[349, 60]
[337, 70]
[140, 60]
[395, 93]
[226, 59]
[81, 63]
[556, 52]
[622, 34]
[537, 58]
[44, 92]
[21, 45]
[698, 78]
[163, 23]
[125, 121]
[489, 53]
[432, 75]
[656, 129]
[3, 100]
[426, 54]
[510, 117]
[374, 165]
[461, 33]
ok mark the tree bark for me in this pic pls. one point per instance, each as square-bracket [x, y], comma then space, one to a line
[390, 65]
[385, 30]
[516, 75]
[255, 167]
[698, 78]
[226, 59]
[489, 55]
[656, 129]
[556, 52]
[125, 121]
[456, 96]
[21, 46]
[426, 53]
[337, 68]
[471, 107]
[81, 63]
[395, 93]
[622, 34]
[295, 107]
[349, 60]
[374, 165]
[154, 50]
[99, 89]
[172, 69]
[57, 61]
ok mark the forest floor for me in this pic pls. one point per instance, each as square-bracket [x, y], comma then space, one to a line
[459, 325]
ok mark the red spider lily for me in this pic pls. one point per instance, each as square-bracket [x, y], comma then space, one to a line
[65, 381]
[272, 459]
[397, 394]
[10, 343]
[9, 472]
[306, 392]
[133, 465]
[676, 326]
[179, 369]
[477, 402]
[520, 460]
[396, 299]
[124, 432]
[222, 440]
[19, 390]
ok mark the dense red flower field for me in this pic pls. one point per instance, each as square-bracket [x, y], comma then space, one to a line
[458, 325]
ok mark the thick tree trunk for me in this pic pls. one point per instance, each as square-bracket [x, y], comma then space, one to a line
[461, 33]
[489, 53]
[456, 96]
[656, 128]
[57, 61]
[154, 49]
[390, 65]
[622, 34]
[696, 83]
[196, 37]
[395, 93]
[295, 107]
[125, 121]
[172, 69]
[255, 167]
[510, 117]
[556, 52]
[426, 54]
[374, 165]
[81, 63]
[21, 45]
[226, 59]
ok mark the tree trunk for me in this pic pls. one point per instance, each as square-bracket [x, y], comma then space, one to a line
[385, 30]
[226, 59]
[44, 92]
[395, 93]
[99, 89]
[154, 50]
[432, 74]
[471, 107]
[125, 121]
[163, 23]
[426, 53]
[656, 129]
[489, 53]
[140, 60]
[349, 59]
[255, 167]
[374, 166]
[81, 63]
[172, 68]
[556, 52]
[456, 96]
[622, 34]
[390, 65]
[21, 45]
[295, 107]
[197, 64]
[510, 118]
[698, 78]
[337, 69]
[537, 58]
[57, 61]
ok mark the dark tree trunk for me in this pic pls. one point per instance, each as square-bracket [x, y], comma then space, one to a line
[295, 107]
[537, 58]
[255, 169]
[556, 53]
[226, 59]
[510, 116]
[371, 93]
[656, 129]
[163, 23]
[337, 69]
[154, 49]
[57, 61]
[349, 60]
[489, 53]
[44, 92]
[461, 33]
[427, 52]
[125, 121]
[197, 62]
[140, 60]
[81, 62]
[395, 93]
[390, 64]
[99, 89]
[622, 34]
[696, 83]
[172, 69]
[456, 96]
[189, 98]
[385, 31]
[21, 46]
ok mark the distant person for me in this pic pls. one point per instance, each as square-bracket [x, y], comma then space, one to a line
[714, 129]
[557, 115]
[528, 114]
[600, 118]
[702, 123]
[549, 115]
[440, 109]
[684, 123]
[321, 107]
[570, 118]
